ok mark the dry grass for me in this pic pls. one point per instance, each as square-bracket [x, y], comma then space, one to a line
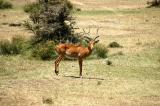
[15, 15]
[132, 80]
[109, 4]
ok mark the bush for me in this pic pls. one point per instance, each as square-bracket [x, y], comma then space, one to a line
[5, 47]
[78, 9]
[114, 45]
[69, 5]
[153, 3]
[49, 22]
[44, 51]
[18, 44]
[15, 46]
[31, 8]
[101, 50]
[5, 4]
[108, 62]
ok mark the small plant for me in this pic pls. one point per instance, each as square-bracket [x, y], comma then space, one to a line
[15, 46]
[109, 62]
[18, 45]
[115, 45]
[78, 9]
[5, 4]
[44, 51]
[5, 47]
[101, 50]
[47, 101]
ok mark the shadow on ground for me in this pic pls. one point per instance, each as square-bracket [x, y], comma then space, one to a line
[85, 77]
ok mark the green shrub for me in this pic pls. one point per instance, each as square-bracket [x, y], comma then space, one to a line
[114, 45]
[69, 5]
[15, 46]
[18, 44]
[31, 8]
[44, 51]
[51, 20]
[5, 47]
[5, 4]
[101, 50]
[78, 9]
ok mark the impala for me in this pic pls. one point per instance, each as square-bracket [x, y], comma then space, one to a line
[74, 51]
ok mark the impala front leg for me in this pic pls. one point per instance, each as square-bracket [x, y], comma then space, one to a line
[57, 61]
[80, 67]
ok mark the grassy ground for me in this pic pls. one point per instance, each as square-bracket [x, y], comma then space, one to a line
[132, 80]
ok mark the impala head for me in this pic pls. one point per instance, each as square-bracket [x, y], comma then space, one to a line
[91, 42]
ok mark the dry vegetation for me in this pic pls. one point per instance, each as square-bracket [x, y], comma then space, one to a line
[133, 79]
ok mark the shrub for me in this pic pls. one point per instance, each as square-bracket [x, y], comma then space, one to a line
[101, 50]
[69, 5]
[108, 62]
[5, 4]
[5, 47]
[78, 9]
[49, 22]
[15, 46]
[153, 3]
[44, 51]
[47, 101]
[30, 8]
[18, 44]
[114, 45]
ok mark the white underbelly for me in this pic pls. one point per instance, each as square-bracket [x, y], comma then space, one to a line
[70, 57]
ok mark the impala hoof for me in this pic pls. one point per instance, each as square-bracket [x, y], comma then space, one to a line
[56, 72]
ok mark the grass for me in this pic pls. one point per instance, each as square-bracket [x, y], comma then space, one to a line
[106, 12]
[131, 80]
[95, 12]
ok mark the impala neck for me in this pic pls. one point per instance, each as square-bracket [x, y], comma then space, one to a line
[90, 48]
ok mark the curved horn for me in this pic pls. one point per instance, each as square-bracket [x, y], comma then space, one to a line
[96, 37]
[97, 30]
[86, 32]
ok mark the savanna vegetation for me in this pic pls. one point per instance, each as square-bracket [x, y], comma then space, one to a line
[5, 4]
[123, 70]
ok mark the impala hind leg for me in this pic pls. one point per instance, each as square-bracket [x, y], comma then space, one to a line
[80, 67]
[57, 61]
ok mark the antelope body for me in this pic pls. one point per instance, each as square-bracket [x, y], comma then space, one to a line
[74, 51]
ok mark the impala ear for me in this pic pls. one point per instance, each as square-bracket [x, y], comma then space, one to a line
[96, 41]
[87, 40]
